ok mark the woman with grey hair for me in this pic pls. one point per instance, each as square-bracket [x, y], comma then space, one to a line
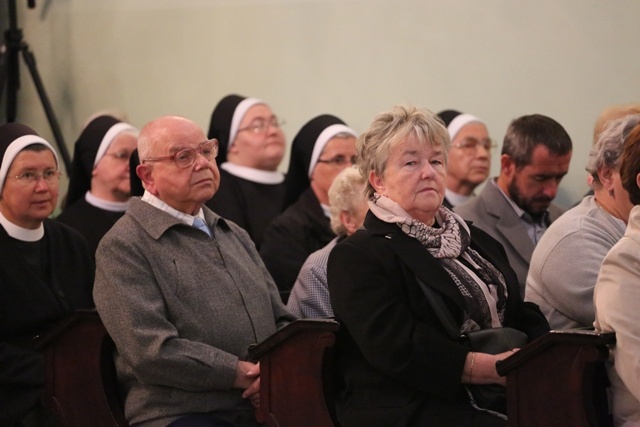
[398, 365]
[310, 295]
[616, 296]
[565, 263]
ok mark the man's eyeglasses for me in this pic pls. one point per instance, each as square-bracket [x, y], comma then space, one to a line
[472, 144]
[261, 125]
[339, 160]
[187, 157]
[121, 156]
[50, 176]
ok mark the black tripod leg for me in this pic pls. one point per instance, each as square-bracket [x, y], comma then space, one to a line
[30, 60]
[10, 80]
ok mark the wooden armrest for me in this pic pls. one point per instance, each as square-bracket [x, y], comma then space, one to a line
[293, 379]
[567, 337]
[558, 380]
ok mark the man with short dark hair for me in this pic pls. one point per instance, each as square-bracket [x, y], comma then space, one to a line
[182, 292]
[516, 207]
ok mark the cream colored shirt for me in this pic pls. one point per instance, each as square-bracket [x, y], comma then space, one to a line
[616, 298]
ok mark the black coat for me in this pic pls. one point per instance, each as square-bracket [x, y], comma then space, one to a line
[395, 359]
[90, 221]
[301, 229]
[251, 205]
[29, 306]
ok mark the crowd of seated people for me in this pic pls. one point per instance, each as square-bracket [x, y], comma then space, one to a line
[198, 264]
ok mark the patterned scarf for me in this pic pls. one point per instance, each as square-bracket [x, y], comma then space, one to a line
[448, 241]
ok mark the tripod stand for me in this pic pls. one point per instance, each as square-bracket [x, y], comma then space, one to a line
[10, 78]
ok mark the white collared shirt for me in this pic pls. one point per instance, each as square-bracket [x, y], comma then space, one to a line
[157, 203]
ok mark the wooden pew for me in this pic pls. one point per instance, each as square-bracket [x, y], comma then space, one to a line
[80, 381]
[559, 380]
[296, 370]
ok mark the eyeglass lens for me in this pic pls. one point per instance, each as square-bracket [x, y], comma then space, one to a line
[260, 125]
[473, 143]
[185, 158]
[339, 160]
[50, 176]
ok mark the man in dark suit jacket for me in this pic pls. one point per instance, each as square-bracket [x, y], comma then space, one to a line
[515, 208]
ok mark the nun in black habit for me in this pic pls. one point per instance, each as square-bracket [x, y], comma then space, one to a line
[251, 147]
[46, 270]
[323, 147]
[99, 183]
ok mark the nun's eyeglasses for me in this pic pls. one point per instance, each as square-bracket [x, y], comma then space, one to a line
[339, 160]
[121, 156]
[50, 176]
[471, 144]
[187, 157]
[261, 125]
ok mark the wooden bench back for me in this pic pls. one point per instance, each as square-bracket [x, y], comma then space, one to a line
[294, 375]
[558, 380]
[81, 387]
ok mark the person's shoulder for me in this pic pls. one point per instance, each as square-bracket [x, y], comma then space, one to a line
[71, 212]
[58, 228]
[368, 240]
[472, 205]
[321, 255]
[473, 210]
[480, 236]
[229, 186]
[127, 225]
[64, 234]
[294, 216]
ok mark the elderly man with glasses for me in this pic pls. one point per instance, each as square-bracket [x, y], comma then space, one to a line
[182, 292]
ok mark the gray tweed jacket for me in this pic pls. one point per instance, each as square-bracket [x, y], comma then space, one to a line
[182, 308]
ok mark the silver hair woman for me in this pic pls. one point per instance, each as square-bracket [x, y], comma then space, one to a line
[398, 365]
[348, 205]
[604, 167]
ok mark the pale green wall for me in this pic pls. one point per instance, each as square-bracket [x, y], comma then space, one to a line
[497, 59]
